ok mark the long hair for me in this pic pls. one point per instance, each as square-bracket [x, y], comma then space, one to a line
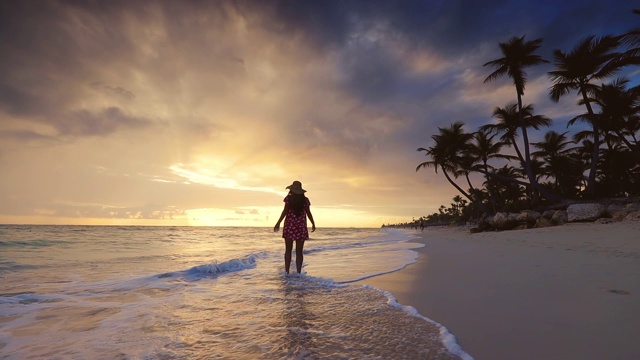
[297, 201]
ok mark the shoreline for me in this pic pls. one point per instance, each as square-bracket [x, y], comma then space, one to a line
[564, 292]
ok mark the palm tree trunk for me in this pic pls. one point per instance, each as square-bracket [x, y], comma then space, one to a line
[591, 181]
[527, 156]
[474, 194]
[462, 191]
[515, 146]
[492, 197]
[466, 175]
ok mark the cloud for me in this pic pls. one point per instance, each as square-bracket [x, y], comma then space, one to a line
[113, 91]
[104, 122]
[153, 212]
[219, 105]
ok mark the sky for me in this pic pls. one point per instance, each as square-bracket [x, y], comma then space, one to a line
[202, 112]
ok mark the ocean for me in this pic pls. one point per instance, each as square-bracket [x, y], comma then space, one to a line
[110, 292]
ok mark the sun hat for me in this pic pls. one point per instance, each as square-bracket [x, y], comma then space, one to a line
[296, 187]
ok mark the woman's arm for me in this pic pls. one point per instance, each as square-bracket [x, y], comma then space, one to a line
[310, 216]
[284, 213]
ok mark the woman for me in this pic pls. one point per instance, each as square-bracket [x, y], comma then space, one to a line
[295, 212]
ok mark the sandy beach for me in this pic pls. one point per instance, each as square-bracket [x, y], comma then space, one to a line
[566, 292]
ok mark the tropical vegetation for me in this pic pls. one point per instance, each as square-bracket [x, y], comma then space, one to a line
[600, 159]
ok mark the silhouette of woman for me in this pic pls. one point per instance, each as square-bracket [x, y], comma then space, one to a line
[295, 213]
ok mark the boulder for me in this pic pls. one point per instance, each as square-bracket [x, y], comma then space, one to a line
[527, 218]
[543, 222]
[623, 212]
[559, 217]
[548, 214]
[613, 209]
[585, 212]
[498, 218]
[504, 221]
[634, 216]
[633, 207]
[619, 215]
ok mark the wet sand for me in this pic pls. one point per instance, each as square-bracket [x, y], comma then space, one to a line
[566, 292]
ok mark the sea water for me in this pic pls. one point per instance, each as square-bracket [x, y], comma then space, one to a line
[109, 292]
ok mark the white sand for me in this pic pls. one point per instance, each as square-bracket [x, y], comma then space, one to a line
[567, 292]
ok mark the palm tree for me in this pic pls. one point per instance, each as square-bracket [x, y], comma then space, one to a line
[518, 54]
[483, 149]
[509, 194]
[509, 121]
[632, 40]
[619, 112]
[590, 60]
[449, 153]
[558, 161]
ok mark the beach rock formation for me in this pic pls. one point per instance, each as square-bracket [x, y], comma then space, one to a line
[502, 221]
[547, 214]
[528, 217]
[634, 216]
[605, 212]
[559, 217]
[543, 222]
[585, 212]
[508, 221]
[621, 212]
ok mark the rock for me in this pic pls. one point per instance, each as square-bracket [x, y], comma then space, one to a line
[619, 216]
[484, 225]
[548, 214]
[559, 217]
[528, 217]
[632, 207]
[498, 218]
[504, 221]
[529, 214]
[543, 222]
[585, 212]
[634, 216]
[604, 221]
[612, 209]
[623, 212]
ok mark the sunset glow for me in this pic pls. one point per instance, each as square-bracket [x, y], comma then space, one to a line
[201, 113]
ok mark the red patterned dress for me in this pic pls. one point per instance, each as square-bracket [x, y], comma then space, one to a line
[295, 227]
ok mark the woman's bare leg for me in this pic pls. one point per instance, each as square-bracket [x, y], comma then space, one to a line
[288, 246]
[299, 255]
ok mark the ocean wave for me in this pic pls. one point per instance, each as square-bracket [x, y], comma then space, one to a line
[448, 339]
[233, 265]
[26, 298]
[29, 243]
[11, 266]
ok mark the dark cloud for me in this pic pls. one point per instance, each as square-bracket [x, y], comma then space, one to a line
[453, 29]
[453, 26]
[113, 91]
[61, 37]
[20, 102]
